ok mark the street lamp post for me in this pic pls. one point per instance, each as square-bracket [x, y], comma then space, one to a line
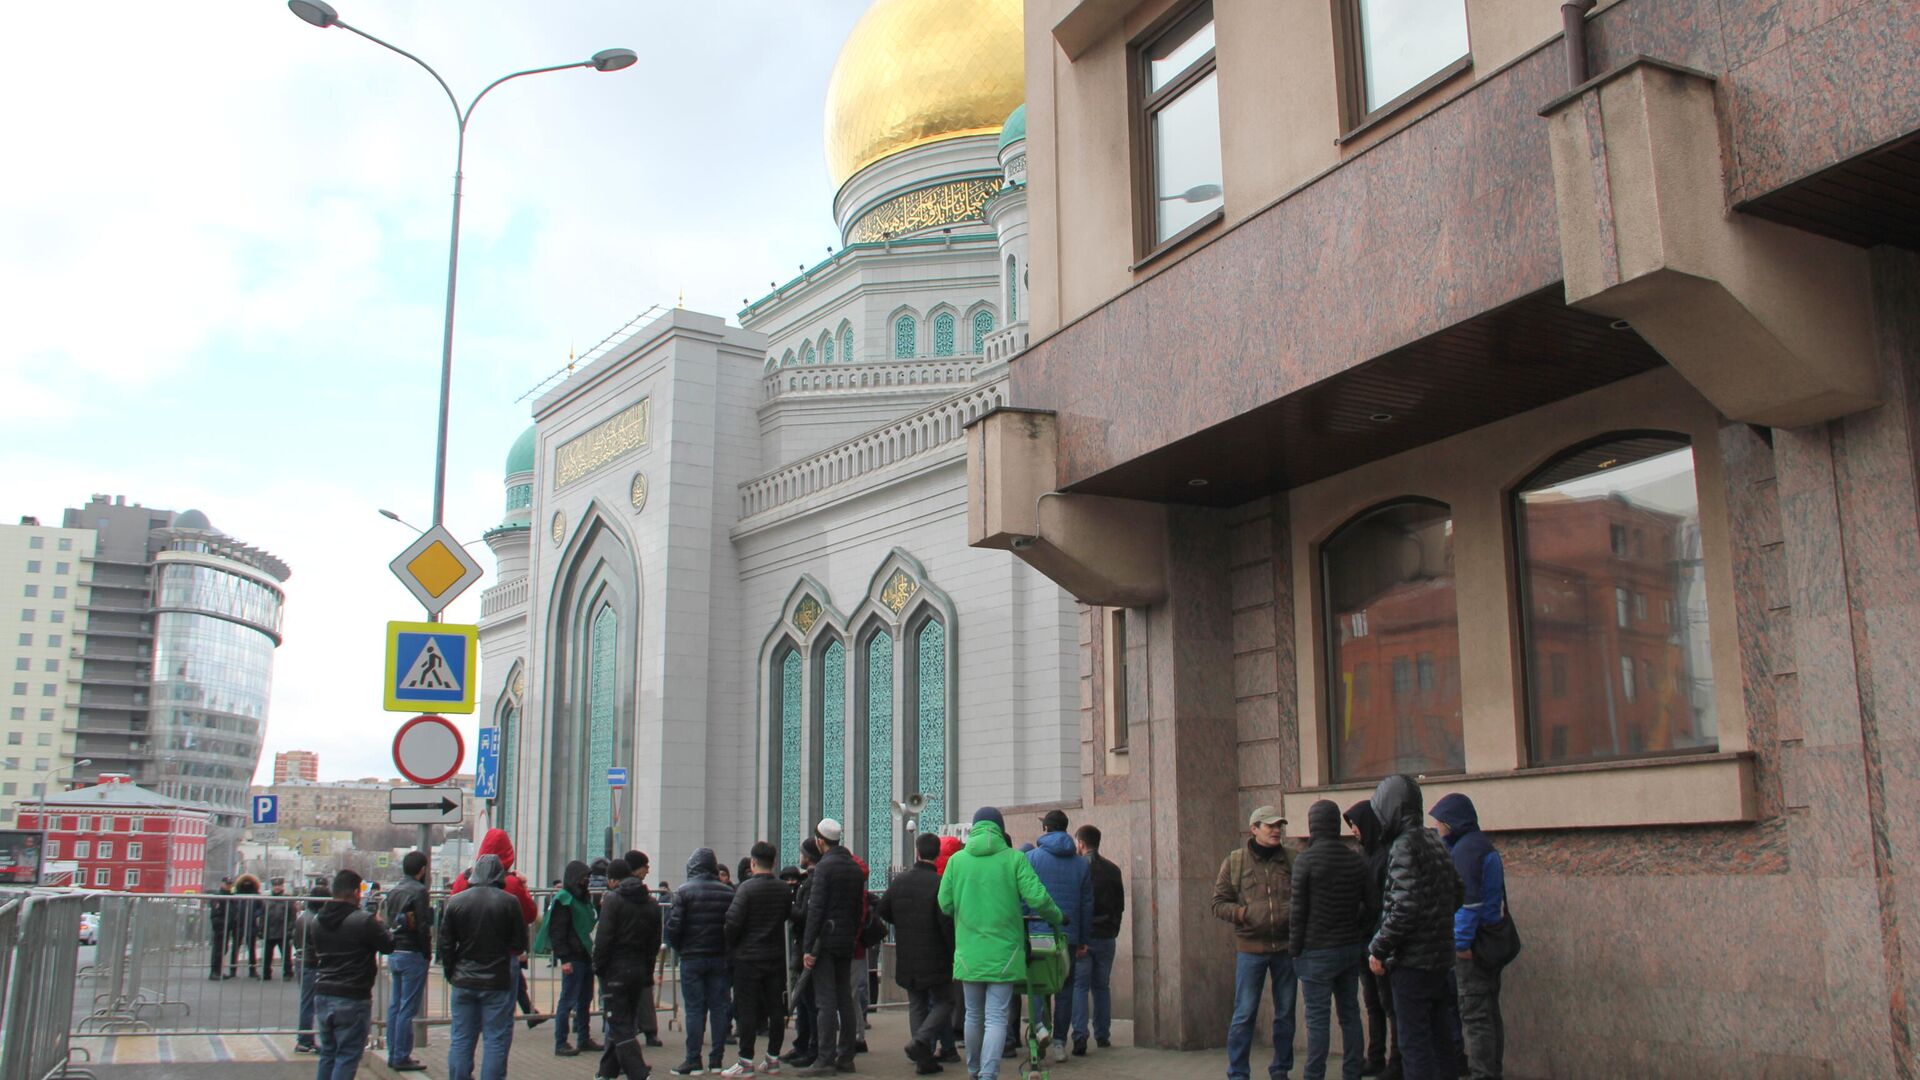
[321, 14]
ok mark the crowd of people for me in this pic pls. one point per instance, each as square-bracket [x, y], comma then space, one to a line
[1402, 932]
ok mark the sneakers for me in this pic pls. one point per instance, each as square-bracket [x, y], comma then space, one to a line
[409, 1065]
[797, 1056]
[770, 1067]
[690, 1067]
[306, 1048]
[819, 1068]
[1103, 1043]
[1060, 1053]
[739, 1069]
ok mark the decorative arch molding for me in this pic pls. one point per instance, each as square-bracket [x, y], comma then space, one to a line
[508, 711]
[981, 322]
[786, 359]
[793, 712]
[827, 349]
[943, 331]
[903, 330]
[846, 342]
[590, 709]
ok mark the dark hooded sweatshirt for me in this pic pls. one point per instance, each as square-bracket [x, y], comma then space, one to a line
[1483, 877]
[1329, 887]
[627, 938]
[341, 948]
[1416, 923]
[570, 920]
[1361, 816]
[697, 923]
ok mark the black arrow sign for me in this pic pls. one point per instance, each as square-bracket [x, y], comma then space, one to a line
[444, 806]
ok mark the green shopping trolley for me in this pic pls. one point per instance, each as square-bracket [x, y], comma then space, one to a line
[1047, 966]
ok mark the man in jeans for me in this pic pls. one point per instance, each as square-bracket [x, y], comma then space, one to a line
[836, 910]
[1093, 972]
[1330, 927]
[481, 933]
[1483, 879]
[345, 941]
[409, 915]
[1254, 892]
[923, 952]
[697, 930]
[1415, 937]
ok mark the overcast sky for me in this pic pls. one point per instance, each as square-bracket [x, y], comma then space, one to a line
[223, 253]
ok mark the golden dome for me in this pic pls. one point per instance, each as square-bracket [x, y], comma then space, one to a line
[919, 71]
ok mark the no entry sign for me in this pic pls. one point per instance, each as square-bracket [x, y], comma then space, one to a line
[428, 749]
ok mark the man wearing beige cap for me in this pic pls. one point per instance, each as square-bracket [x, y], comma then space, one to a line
[1254, 892]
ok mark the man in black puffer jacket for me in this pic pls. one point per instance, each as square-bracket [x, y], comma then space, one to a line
[481, 932]
[1415, 938]
[1383, 1046]
[1329, 931]
[697, 930]
[341, 948]
[625, 943]
[923, 952]
[757, 940]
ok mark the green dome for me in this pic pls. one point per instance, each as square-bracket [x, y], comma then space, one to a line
[1015, 128]
[520, 458]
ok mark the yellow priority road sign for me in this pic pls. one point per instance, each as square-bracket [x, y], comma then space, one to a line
[435, 569]
[431, 667]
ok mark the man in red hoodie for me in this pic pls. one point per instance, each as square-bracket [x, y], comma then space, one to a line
[498, 843]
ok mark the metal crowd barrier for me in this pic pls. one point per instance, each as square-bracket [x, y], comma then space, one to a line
[39, 935]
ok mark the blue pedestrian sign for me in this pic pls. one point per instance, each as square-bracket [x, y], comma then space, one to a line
[486, 765]
[430, 667]
[266, 809]
[617, 777]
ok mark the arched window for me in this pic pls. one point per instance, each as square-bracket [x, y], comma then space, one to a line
[1392, 643]
[602, 690]
[906, 338]
[826, 349]
[982, 326]
[772, 362]
[807, 356]
[833, 732]
[877, 707]
[1013, 290]
[931, 734]
[787, 671]
[1614, 603]
[787, 360]
[944, 339]
[508, 760]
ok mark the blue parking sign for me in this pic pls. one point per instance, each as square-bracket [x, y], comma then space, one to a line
[266, 809]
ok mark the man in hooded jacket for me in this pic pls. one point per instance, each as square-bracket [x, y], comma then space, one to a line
[343, 943]
[498, 844]
[1329, 930]
[923, 951]
[1068, 878]
[1484, 882]
[1415, 939]
[1383, 1044]
[983, 890]
[570, 939]
[697, 930]
[625, 944]
[482, 932]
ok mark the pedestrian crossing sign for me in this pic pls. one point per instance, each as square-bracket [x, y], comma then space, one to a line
[431, 667]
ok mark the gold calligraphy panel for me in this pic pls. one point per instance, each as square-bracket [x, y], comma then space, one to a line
[585, 454]
[943, 204]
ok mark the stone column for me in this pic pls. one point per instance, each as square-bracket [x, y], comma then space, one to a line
[1184, 785]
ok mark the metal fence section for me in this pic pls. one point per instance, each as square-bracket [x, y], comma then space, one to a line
[39, 936]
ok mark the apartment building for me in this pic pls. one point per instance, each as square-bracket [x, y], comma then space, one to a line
[42, 637]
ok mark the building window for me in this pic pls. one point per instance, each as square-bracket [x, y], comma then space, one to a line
[503, 784]
[101, 876]
[833, 732]
[23, 663]
[931, 758]
[26, 614]
[846, 344]
[1392, 51]
[1636, 485]
[602, 705]
[53, 849]
[105, 848]
[808, 357]
[134, 849]
[33, 566]
[15, 738]
[1013, 290]
[36, 542]
[982, 326]
[1116, 650]
[53, 641]
[62, 568]
[944, 337]
[1178, 118]
[133, 878]
[26, 639]
[59, 592]
[789, 686]
[878, 706]
[66, 543]
[1394, 564]
[826, 349]
[906, 338]
[51, 665]
[787, 360]
[57, 616]
[82, 849]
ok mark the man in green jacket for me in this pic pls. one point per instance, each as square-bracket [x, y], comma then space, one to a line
[984, 886]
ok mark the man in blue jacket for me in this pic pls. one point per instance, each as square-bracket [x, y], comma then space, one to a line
[1485, 904]
[1069, 881]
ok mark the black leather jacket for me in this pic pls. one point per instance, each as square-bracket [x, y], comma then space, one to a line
[1109, 899]
[482, 930]
[341, 946]
[697, 924]
[1423, 889]
[627, 938]
[409, 915]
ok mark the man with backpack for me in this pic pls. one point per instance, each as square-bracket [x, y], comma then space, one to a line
[1254, 892]
[836, 898]
[1068, 878]
[567, 936]
[1483, 879]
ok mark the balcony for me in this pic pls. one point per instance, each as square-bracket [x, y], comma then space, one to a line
[503, 597]
[115, 609]
[944, 373]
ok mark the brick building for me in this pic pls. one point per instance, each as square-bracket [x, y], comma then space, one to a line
[122, 837]
[296, 765]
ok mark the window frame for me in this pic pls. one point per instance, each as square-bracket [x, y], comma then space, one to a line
[1142, 104]
[1623, 614]
[1350, 67]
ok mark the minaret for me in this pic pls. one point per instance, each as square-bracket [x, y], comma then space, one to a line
[1007, 213]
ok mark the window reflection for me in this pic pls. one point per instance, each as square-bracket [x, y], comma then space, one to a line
[1404, 42]
[1616, 607]
[1393, 643]
[1181, 101]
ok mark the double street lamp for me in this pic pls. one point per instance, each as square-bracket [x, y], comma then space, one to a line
[322, 15]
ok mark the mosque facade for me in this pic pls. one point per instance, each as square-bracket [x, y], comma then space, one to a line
[734, 559]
